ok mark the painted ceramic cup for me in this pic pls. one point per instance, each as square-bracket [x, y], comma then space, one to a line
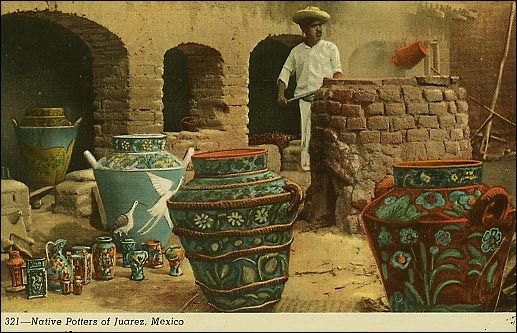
[137, 261]
[175, 255]
[88, 262]
[17, 267]
[128, 246]
[104, 258]
[440, 237]
[154, 249]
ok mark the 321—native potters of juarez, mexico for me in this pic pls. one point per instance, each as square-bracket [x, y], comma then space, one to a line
[155, 321]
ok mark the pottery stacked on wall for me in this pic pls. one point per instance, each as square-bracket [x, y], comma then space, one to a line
[440, 236]
[134, 183]
[46, 140]
[234, 220]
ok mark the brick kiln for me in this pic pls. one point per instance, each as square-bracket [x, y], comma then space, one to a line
[361, 127]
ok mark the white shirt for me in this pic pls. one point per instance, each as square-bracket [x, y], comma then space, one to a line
[311, 65]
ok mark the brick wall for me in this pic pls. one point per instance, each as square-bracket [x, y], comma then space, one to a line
[361, 127]
[128, 41]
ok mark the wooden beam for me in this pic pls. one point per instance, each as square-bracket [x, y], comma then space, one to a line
[486, 138]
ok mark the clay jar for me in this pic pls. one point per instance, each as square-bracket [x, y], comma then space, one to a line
[134, 182]
[440, 237]
[46, 140]
[104, 257]
[234, 220]
[17, 267]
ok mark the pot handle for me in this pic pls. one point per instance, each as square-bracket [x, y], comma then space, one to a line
[78, 121]
[46, 249]
[384, 186]
[493, 202]
[296, 196]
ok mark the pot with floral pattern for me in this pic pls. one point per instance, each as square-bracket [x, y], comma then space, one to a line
[104, 254]
[57, 264]
[134, 182]
[440, 236]
[234, 220]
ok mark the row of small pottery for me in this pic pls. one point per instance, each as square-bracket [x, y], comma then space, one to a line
[64, 273]
[135, 182]
[234, 220]
[151, 255]
[440, 237]
[46, 140]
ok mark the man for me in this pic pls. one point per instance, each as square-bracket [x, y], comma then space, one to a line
[310, 61]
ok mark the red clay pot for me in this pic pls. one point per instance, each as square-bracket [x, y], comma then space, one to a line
[409, 56]
[440, 237]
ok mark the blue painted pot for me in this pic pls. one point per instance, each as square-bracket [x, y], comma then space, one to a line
[46, 144]
[234, 220]
[134, 183]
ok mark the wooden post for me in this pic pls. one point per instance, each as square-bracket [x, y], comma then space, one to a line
[486, 138]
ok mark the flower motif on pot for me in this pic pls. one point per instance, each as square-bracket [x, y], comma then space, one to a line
[491, 240]
[462, 201]
[408, 236]
[203, 221]
[398, 209]
[147, 145]
[434, 250]
[400, 259]
[430, 200]
[235, 219]
[390, 200]
[124, 145]
[384, 238]
[442, 237]
[271, 265]
[261, 215]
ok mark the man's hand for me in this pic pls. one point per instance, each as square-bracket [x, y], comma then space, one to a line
[280, 97]
[281, 100]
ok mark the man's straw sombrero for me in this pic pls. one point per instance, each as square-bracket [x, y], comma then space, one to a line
[310, 13]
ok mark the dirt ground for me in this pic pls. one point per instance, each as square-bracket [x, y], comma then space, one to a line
[329, 271]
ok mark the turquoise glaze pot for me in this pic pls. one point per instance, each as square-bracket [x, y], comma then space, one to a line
[440, 237]
[134, 182]
[46, 144]
[234, 220]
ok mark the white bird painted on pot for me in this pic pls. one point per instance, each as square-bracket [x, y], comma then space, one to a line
[163, 187]
[125, 222]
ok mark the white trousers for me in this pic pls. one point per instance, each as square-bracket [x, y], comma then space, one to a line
[305, 120]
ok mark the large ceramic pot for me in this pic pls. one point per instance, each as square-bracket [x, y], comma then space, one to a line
[46, 140]
[134, 183]
[234, 220]
[440, 237]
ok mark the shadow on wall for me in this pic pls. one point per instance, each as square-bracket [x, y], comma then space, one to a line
[193, 86]
[373, 60]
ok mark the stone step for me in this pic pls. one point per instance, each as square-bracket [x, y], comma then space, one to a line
[291, 156]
